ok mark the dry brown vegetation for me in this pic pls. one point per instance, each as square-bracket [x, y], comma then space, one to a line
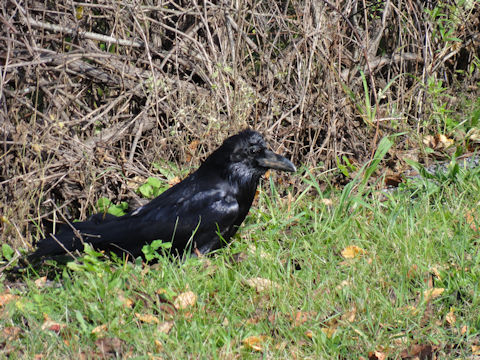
[92, 94]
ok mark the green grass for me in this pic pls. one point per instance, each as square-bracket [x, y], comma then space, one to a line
[321, 306]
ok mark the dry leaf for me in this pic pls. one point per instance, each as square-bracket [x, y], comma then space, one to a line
[261, 284]
[10, 333]
[343, 284]
[165, 327]
[471, 220]
[327, 202]
[52, 325]
[464, 330]
[100, 330]
[185, 300]
[475, 350]
[174, 181]
[329, 331]
[352, 251]
[450, 317]
[380, 355]
[474, 135]
[436, 272]
[432, 293]
[147, 318]
[412, 272]
[109, 346]
[309, 334]
[6, 298]
[40, 282]
[158, 345]
[254, 342]
[419, 351]
[126, 302]
[300, 318]
[350, 315]
[443, 142]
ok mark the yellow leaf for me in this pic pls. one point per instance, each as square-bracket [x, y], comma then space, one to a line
[261, 284]
[254, 342]
[79, 12]
[309, 334]
[185, 300]
[158, 345]
[450, 317]
[100, 330]
[432, 293]
[329, 331]
[126, 302]
[352, 251]
[147, 318]
[475, 350]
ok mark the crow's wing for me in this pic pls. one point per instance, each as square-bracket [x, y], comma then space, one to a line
[195, 210]
[197, 218]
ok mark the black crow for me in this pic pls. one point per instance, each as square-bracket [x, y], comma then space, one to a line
[201, 212]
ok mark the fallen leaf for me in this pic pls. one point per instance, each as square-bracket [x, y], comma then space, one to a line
[126, 302]
[309, 334]
[301, 317]
[185, 300]
[109, 346]
[378, 355]
[436, 272]
[464, 330]
[10, 333]
[40, 282]
[450, 317]
[352, 251]
[469, 218]
[158, 345]
[349, 316]
[343, 284]
[261, 284]
[443, 142]
[6, 298]
[475, 350]
[329, 331]
[173, 181]
[326, 202]
[100, 330]
[254, 342]
[418, 351]
[412, 272]
[432, 293]
[147, 318]
[165, 327]
[52, 325]
[193, 145]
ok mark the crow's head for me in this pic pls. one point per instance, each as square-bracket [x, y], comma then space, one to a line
[247, 158]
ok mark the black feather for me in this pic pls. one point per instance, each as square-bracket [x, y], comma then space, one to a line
[213, 200]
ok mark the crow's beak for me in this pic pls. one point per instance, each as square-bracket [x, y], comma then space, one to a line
[271, 160]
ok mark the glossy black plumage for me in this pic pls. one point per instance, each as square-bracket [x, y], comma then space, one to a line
[213, 200]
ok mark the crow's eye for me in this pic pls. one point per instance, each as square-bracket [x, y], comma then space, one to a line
[254, 150]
